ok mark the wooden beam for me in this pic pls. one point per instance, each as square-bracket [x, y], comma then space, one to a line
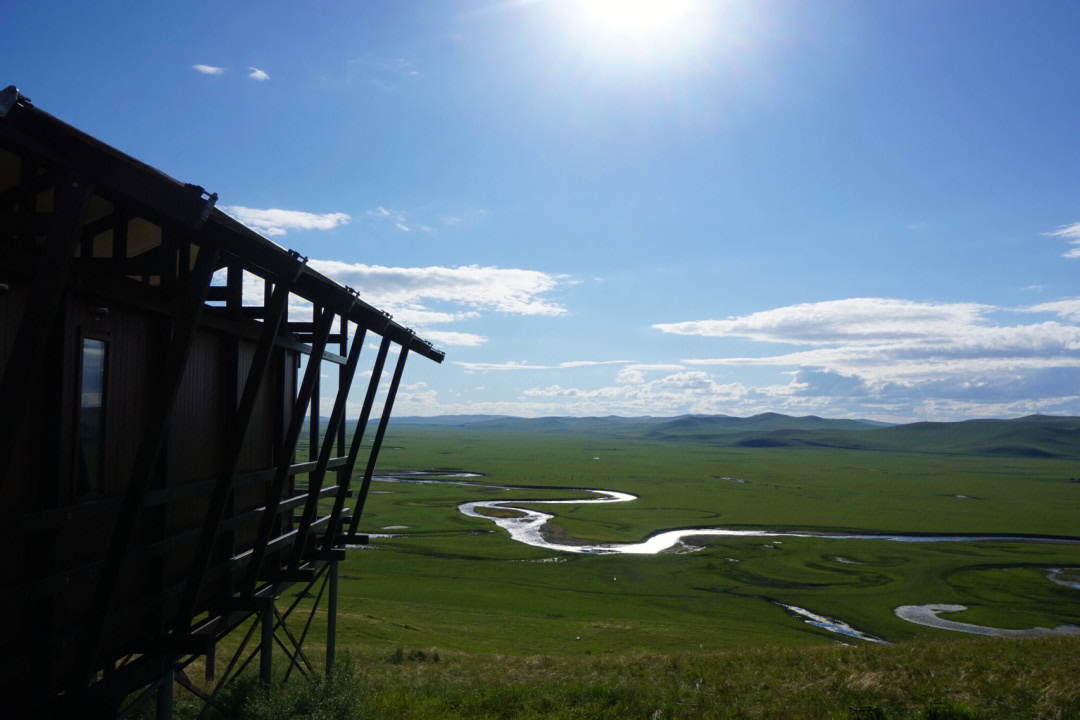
[28, 187]
[383, 422]
[42, 307]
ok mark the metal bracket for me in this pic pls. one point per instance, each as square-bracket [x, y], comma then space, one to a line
[9, 98]
[301, 263]
[211, 200]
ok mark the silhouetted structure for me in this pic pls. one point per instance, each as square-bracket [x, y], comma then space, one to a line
[151, 412]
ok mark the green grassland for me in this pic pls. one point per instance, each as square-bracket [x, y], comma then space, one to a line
[451, 618]
[461, 584]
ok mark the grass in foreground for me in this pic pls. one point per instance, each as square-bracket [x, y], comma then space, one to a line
[958, 679]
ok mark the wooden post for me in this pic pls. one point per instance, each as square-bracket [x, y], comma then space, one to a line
[211, 659]
[266, 647]
[164, 710]
[331, 619]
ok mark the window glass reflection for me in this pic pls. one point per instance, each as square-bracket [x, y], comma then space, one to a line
[91, 416]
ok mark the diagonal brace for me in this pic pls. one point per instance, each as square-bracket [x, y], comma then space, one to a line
[384, 420]
[354, 448]
[315, 479]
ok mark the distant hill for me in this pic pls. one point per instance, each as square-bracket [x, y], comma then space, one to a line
[1031, 436]
[447, 419]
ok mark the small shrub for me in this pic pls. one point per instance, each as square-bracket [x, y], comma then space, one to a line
[338, 697]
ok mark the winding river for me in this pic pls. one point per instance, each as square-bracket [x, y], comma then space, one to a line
[526, 525]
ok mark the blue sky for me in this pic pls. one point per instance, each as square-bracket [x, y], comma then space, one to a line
[848, 209]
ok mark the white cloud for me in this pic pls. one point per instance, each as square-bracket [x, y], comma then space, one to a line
[397, 217]
[274, 222]
[506, 290]
[692, 391]
[450, 337]
[1066, 308]
[209, 69]
[835, 321]
[464, 291]
[1072, 234]
[515, 365]
[911, 356]
[257, 74]
[635, 373]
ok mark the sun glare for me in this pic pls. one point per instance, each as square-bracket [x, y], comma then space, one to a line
[638, 17]
[649, 32]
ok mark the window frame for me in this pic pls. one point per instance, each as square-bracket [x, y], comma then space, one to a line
[83, 335]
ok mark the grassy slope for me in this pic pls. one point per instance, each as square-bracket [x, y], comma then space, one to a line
[941, 680]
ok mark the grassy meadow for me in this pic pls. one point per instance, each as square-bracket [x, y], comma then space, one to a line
[460, 583]
[449, 617]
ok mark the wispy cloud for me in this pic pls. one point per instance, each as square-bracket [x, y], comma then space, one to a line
[423, 219]
[450, 337]
[399, 218]
[456, 218]
[516, 365]
[506, 290]
[209, 69]
[386, 73]
[692, 391]
[635, 373]
[257, 74]
[1066, 308]
[274, 221]
[1072, 234]
[835, 321]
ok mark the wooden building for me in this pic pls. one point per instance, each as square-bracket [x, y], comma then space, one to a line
[150, 414]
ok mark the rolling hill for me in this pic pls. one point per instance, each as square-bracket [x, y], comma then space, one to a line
[1030, 436]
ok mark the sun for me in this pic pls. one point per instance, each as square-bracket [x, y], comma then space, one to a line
[638, 17]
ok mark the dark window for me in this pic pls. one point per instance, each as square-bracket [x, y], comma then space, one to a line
[91, 443]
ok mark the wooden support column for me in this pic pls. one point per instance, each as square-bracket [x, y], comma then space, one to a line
[343, 349]
[334, 526]
[331, 618]
[281, 474]
[211, 659]
[383, 421]
[164, 705]
[266, 646]
[313, 423]
[174, 360]
[42, 307]
[315, 478]
[223, 486]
